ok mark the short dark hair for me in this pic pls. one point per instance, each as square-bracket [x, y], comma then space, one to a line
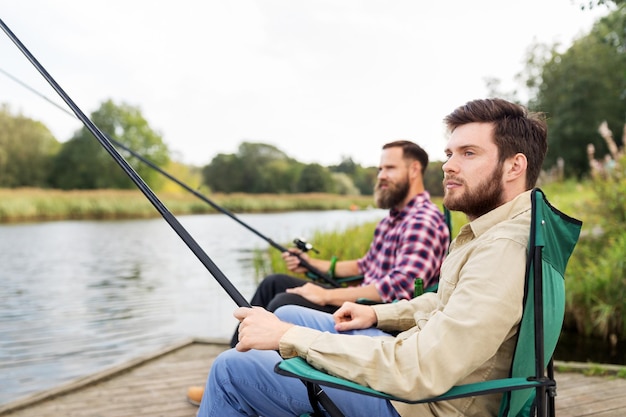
[410, 151]
[516, 130]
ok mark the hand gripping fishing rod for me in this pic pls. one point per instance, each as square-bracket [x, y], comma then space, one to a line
[234, 294]
[303, 262]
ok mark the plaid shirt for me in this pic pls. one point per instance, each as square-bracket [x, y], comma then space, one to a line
[408, 244]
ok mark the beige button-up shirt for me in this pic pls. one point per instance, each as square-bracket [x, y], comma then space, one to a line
[464, 333]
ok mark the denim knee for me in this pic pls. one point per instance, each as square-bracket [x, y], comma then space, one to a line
[221, 364]
[289, 313]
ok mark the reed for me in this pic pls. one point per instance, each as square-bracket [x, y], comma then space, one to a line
[33, 204]
[351, 243]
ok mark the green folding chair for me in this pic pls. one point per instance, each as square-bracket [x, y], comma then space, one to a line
[530, 385]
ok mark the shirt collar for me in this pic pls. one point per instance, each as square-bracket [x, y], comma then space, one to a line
[416, 201]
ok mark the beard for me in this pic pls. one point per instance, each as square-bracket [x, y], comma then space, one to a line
[392, 196]
[475, 202]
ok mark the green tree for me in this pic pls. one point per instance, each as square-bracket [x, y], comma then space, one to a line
[255, 168]
[365, 178]
[580, 88]
[433, 178]
[344, 184]
[362, 178]
[347, 166]
[83, 163]
[224, 174]
[315, 178]
[26, 149]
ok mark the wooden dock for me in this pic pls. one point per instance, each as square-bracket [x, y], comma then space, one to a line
[156, 385]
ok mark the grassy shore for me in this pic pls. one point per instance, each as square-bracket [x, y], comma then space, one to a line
[31, 204]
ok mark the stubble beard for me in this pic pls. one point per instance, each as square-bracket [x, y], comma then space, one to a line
[392, 196]
[479, 200]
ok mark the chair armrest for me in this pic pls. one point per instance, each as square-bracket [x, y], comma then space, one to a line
[299, 368]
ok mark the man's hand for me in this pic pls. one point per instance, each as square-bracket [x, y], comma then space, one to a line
[313, 293]
[259, 329]
[292, 262]
[351, 316]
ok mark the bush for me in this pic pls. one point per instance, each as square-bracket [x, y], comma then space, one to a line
[596, 276]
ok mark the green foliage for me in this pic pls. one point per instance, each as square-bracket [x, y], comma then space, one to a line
[351, 243]
[33, 204]
[579, 89]
[26, 147]
[262, 168]
[343, 184]
[363, 178]
[433, 178]
[315, 178]
[596, 303]
[83, 163]
[256, 168]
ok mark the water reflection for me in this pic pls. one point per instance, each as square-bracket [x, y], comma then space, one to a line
[574, 348]
[80, 296]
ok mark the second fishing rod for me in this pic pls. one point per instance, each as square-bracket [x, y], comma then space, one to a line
[302, 245]
[219, 276]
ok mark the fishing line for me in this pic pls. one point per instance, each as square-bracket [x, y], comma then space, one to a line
[234, 294]
[303, 262]
[232, 291]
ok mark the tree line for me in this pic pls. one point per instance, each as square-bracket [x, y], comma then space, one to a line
[579, 89]
[30, 156]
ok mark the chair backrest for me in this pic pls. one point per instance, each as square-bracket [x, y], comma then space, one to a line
[553, 237]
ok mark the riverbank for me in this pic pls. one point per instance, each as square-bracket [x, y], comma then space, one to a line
[33, 204]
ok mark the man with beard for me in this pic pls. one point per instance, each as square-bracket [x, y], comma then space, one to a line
[465, 332]
[409, 243]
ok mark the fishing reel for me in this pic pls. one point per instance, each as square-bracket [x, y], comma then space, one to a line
[303, 245]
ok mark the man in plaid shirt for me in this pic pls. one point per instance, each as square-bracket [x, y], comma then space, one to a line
[409, 243]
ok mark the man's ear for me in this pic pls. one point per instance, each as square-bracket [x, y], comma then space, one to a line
[415, 169]
[515, 167]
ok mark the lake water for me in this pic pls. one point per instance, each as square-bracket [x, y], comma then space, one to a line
[80, 296]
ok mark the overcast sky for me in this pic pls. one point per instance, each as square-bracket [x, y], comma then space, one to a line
[319, 79]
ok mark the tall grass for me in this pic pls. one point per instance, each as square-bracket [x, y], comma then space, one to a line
[31, 204]
[596, 275]
[349, 244]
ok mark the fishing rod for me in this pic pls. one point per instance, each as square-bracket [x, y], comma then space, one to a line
[234, 294]
[230, 289]
[302, 245]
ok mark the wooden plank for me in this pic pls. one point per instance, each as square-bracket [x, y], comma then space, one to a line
[149, 386]
[156, 385]
[591, 396]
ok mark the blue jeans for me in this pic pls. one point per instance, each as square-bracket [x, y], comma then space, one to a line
[245, 384]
